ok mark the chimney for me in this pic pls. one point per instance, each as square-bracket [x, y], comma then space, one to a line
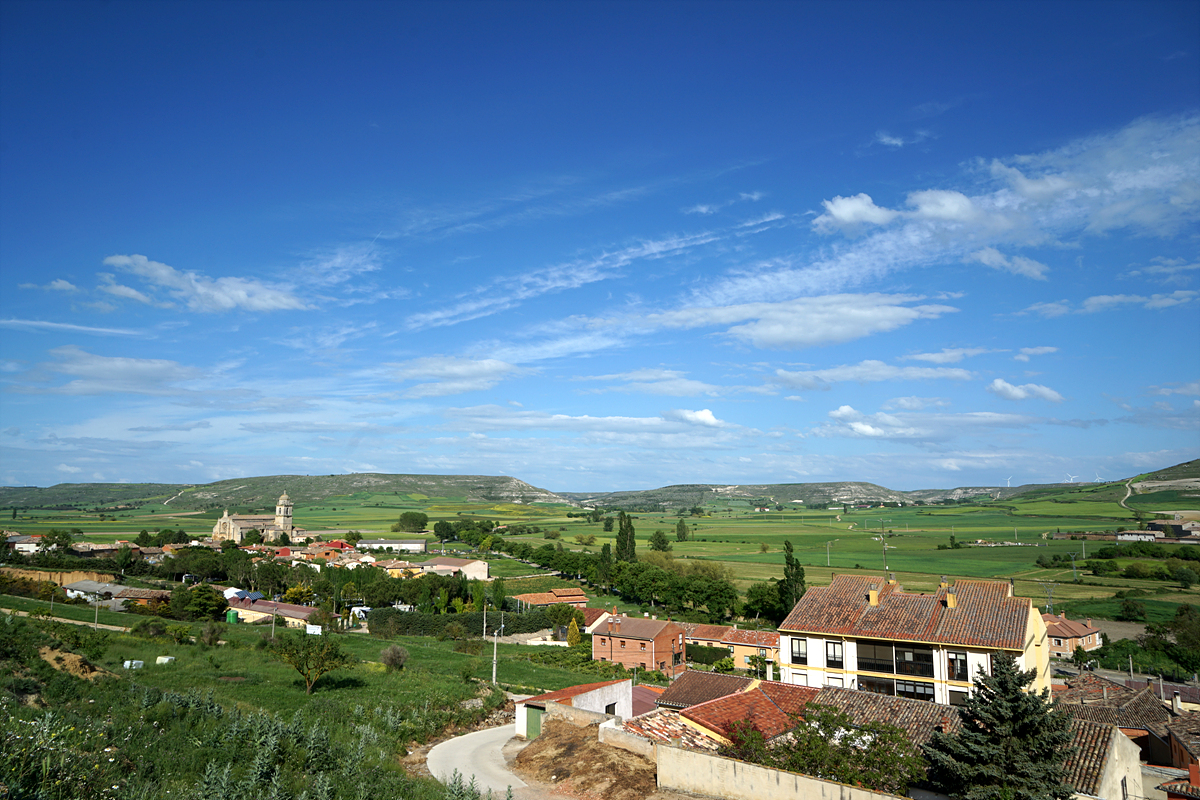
[892, 578]
[873, 595]
[618, 625]
[1194, 773]
[1106, 694]
[610, 625]
[951, 599]
[1089, 622]
[943, 584]
[1176, 705]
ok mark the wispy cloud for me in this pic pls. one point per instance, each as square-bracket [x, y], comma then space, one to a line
[865, 372]
[66, 327]
[1004, 389]
[201, 293]
[1026, 352]
[92, 374]
[1017, 265]
[1107, 302]
[179, 426]
[446, 375]
[889, 140]
[655, 381]
[1166, 270]
[56, 285]
[949, 355]
[848, 422]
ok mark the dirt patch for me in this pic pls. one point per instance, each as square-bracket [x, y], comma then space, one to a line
[76, 665]
[576, 764]
[1119, 630]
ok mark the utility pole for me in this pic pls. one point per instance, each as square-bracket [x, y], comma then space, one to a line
[1074, 575]
[496, 646]
[886, 547]
[96, 622]
[1049, 587]
[827, 551]
[881, 521]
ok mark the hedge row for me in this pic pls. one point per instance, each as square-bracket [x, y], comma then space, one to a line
[699, 654]
[390, 622]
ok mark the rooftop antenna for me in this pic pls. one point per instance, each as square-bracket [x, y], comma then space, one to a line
[1071, 478]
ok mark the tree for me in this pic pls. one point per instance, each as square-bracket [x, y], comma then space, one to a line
[252, 537]
[573, 635]
[658, 541]
[1132, 610]
[1012, 744]
[762, 600]
[394, 657]
[681, 531]
[124, 557]
[608, 524]
[791, 587]
[604, 567]
[311, 656]
[443, 530]
[498, 594]
[1079, 657]
[55, 539]
[284, 540]
[1186, 577]
[412, 522]
[626, 545]
[353, 538]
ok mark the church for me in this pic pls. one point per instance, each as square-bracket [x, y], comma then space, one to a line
[234, 527]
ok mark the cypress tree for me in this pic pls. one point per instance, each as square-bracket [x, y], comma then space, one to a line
[625, 549]
[1012, 744]
[681, 531]
[604, 568]
[792, 587]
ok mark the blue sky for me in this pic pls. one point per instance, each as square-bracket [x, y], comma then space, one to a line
[599, 246]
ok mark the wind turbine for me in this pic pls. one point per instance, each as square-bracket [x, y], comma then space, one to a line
[1071, 478]
[1008, 481]
[1098, 478]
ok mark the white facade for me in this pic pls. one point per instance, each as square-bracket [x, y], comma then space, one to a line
[807, 663]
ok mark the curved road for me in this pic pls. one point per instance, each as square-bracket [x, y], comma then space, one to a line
[476, 755]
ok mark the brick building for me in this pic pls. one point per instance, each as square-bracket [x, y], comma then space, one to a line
[641, 643]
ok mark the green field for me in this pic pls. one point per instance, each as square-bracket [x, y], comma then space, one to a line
[1019, 527]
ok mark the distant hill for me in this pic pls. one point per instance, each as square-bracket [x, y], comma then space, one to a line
[261, 492]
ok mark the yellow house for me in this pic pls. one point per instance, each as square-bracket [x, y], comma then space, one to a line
[867, 633]
[744, 644]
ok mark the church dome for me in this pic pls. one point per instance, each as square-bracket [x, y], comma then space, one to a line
[283, 498]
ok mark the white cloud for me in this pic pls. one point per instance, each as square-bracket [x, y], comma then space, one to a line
[852, 212]
[942, 204]
[1166, 270]
[1006, 390]
[1105, 302]
[913, 403]
[39, 325]
[95, 374]
[865, 372]
[806, 322]
[1042, 188]
[1056, 308]
[848, 422]
[110, 286]
[338, 265]
[1026, 352]
[1192, 388]
[67, 468]
[948, 355]
[1017, 265]
[702, 417]
[885, 138]
[655, 381]
[702, 209]
[200, 293]
[452, 375]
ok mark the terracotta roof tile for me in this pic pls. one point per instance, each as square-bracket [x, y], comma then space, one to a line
[1186, 729]
[773, 710]
[637, 628]
[986, 614]
[694, 686]
[1085, 767]
[917, 718]
[590, 615]
[1084, 698]
[1181, 787]
[1064, 628]
[708, 632]
[666, 726]
[752, 638]
[564, 696]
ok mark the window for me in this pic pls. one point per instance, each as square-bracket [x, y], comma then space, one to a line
[957, 666]
[642, 665]
[1124, 789]
[914, 661]
[746, 659]
[914, 690]
[799, 651]
[877, 685]
[622, 643]
[833, 656]
[1058, 642]
[762, 652]
[835, 682]
[611, 708]
[643, 645]
[603, 642]
[958, 698]
[875, 657]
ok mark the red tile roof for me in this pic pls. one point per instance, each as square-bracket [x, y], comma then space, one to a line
[772, 708]
[1084, 768]
[644, 698]
[694, 686]
[591, 615]
[752, 638]
[1063, 628]
[666, 726]
[564, 696]
[917, 718]
[1186, 730]
[713, 633]
[987, 615]
[636, 628]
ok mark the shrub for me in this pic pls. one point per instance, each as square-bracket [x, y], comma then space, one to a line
[149, 628]
[394, 657]
[211, 633]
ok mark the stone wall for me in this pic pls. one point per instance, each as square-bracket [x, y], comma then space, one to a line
[715, 776]
[576, 716]
[613, 735]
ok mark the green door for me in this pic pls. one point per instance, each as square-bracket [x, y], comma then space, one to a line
[533, 722]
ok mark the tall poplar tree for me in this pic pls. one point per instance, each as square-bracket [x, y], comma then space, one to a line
[626, 546]
[604, 568]
[681, 531]
[791, 587]
[1013, 744]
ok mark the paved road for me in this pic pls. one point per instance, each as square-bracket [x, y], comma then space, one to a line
[476, 755]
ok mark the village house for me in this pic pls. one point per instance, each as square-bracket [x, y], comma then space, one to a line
[395, 545]
[570, 596]
[862, 632]
[642, 643]
[606, 697]
[593, 618]
[235, 527]
[744, 645]
[1184, 739]
[444, 565]
[1065, 635]
[695, 633]
[1137, 712]
[248, 610]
